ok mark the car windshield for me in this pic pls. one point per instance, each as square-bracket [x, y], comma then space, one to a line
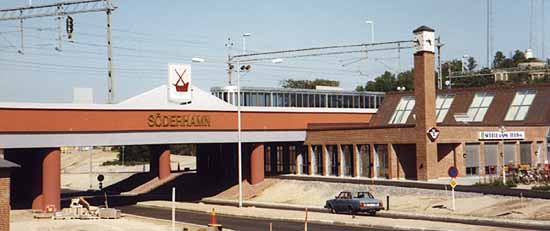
[364, 194]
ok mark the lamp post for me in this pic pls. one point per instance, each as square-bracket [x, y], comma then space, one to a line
[502, 130]
[239, 130]
[244, 41]
[371, 30]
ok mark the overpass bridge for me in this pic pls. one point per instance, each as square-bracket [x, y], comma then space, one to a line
[31, 135]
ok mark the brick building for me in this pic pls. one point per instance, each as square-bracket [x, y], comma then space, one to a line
[5, 168]
[420, 134]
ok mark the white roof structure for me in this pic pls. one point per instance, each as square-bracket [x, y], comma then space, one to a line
[158, 98]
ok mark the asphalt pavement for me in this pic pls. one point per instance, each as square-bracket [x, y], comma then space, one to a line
[234, 223]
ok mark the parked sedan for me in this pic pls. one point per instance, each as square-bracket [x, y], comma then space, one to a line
[360, 202]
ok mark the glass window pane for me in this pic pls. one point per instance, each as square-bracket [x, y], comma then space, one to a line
[441, 115]
[522, 113]
[480, 114]
[448, 102]
[410, 104]
[518, 98]
[511, 114]
[487, 100]
[477, 100]
[528, 99]
[438, 102]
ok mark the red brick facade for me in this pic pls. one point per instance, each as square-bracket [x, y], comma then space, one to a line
[4, 200]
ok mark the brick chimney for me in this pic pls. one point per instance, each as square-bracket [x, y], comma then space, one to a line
[424, 91]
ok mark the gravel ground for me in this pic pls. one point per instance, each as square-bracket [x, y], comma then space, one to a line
[315, 193]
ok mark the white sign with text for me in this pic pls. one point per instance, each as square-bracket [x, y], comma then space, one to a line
[511, 135]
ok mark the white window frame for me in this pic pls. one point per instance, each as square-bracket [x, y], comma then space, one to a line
[403, 110]
[480, 105]
[520, 105]
[442, 105]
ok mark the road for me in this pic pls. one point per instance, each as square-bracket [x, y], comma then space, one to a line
[234, 223]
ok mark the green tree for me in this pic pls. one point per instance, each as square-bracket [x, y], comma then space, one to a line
[308, 84]
[385, 82]
[498, 60]
[518, 57]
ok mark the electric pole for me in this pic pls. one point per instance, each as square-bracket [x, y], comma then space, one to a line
[440, 73]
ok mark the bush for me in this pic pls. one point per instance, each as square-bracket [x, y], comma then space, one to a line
[541, 188]
[495, 182]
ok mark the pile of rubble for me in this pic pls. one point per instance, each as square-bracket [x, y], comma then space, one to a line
[81, 209]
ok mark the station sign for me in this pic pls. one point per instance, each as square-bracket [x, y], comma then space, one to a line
[179, 83]
[433, 133]
[496, 135]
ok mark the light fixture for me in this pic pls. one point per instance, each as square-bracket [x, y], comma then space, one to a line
[277, 60]
[197, 60]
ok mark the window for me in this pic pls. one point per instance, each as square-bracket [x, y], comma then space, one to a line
[479, 106]
[442, 105]
[520, 105]
[292, 160]
[403, 110]
[267, 160]
[280, 163]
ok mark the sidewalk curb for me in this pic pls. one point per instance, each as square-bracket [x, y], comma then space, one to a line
[185, 224]
[527, 224]
[301, 220]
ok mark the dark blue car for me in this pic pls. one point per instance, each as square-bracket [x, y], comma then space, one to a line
[349, 203]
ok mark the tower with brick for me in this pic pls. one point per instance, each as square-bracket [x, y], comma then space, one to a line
[424, 84]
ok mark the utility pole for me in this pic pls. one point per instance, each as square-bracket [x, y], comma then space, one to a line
[440, 73]
[229, 45]
[59, 10]
[111, 97]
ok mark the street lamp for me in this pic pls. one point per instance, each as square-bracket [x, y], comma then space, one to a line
[401, 88]
[448, 84]
[371, 30]
[239, 130]
[198, 60]
[244, 41]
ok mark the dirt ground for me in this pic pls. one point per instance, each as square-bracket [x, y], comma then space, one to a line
[75, 166]
[401, 199]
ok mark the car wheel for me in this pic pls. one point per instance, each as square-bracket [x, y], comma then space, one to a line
[331, 209]
[350, 210]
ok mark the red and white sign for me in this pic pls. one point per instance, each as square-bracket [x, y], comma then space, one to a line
[433, 134]
[179, 83]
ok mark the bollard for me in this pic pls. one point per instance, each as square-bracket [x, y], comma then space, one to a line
[305, 222]
[213, 222]
[387, 202]
[270, 226]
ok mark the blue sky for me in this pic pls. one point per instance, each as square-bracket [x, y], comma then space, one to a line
[150, 34]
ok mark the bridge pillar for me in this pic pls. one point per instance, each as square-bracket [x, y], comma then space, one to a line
[257, 163]
[37, 184]
[159, 162]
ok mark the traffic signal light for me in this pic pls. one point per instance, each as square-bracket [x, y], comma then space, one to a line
[70, 26]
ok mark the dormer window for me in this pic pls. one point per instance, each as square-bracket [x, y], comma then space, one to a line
[520, 105]
[479, 106]
[442, 105]
[403, 110]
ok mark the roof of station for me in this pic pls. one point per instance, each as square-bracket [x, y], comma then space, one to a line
[515, 105]
[7, 164]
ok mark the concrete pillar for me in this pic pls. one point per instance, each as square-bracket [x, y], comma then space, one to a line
[312, 164]
[392, 158]
[341, 160]
[51, 180]
[357, 159]
[160, 161]
[372, 164]
[325, 160]
[257, 164]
